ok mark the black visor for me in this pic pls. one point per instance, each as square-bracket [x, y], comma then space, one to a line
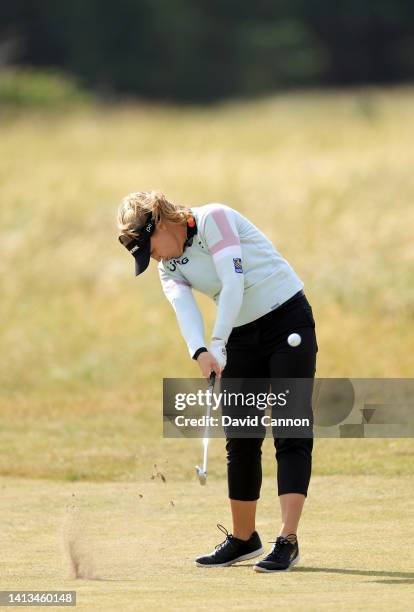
[140, 247]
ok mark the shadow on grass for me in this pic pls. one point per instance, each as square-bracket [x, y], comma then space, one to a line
[394, 576]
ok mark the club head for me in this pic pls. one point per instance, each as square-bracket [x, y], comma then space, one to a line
[202, 475]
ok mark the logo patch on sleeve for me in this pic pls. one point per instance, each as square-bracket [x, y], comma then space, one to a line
[238, 265]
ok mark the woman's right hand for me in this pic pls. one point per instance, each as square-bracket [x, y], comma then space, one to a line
[208, 364]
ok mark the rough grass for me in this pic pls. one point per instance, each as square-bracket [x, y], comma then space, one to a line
[85, 345]
[328, 180]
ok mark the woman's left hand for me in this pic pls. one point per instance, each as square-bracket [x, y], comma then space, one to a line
[218, 349]
[208, 364]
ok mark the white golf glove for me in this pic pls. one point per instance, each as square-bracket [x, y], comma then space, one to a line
[218, 349]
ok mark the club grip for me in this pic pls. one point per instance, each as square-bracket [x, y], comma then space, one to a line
[212, 379]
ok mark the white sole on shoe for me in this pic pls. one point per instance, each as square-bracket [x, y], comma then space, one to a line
[257, 568]
[251, 555]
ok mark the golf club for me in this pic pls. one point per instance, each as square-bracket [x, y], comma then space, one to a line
[202, 473]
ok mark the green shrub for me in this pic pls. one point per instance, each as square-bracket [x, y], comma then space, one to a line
[25, 88]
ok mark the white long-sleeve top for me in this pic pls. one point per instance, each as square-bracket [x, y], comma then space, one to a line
[235, 264]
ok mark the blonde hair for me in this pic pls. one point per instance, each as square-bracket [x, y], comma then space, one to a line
[134, 207]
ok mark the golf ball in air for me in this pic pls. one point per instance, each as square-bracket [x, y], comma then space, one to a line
[294, 340]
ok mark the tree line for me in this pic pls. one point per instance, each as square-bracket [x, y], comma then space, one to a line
[204, 50]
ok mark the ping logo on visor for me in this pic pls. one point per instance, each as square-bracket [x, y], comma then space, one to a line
[140, 247]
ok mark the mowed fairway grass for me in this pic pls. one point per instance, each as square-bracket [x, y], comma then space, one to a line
[85, 346]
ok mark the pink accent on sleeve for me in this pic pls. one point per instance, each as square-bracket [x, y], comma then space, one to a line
[229, 238]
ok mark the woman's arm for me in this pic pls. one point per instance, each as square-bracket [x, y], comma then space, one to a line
[223, 241]
[179, 294]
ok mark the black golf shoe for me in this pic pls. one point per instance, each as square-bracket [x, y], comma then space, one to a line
[284, 555]
[231, 550]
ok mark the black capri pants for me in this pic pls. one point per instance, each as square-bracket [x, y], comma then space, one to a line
[260, 350]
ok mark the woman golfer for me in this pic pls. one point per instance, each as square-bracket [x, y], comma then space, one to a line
[260, 303]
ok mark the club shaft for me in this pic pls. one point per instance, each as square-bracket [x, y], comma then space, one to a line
[212, 380]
